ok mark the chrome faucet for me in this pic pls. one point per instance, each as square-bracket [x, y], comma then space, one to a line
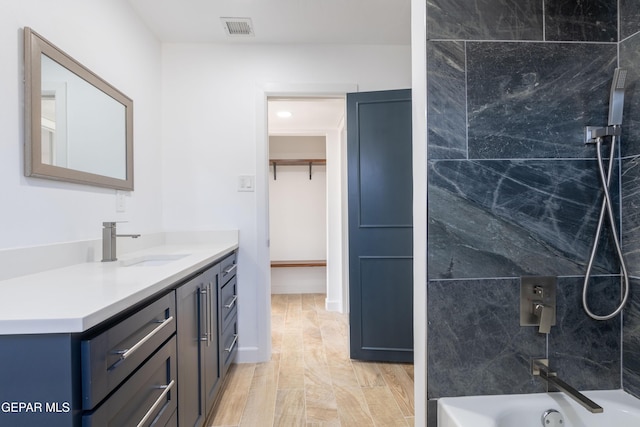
[540, 368]
[109, 241]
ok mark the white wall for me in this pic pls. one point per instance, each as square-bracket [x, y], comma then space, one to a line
[213, 127]
[108, 38]
[298, 214]
[297, 204]
[420, 225]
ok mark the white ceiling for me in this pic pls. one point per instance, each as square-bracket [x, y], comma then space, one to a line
[284, 22]
[308, 116]
[280, 21]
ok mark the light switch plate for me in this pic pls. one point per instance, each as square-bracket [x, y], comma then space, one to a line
[246, 183]
[121, 205]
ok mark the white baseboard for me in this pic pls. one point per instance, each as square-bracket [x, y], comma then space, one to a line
[299, 280]
[251, 355]
[333, 305]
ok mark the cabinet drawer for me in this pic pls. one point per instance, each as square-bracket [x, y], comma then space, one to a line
[148, 398]
[110, 357]
[229, 344]
[228, 268]
[228, 302]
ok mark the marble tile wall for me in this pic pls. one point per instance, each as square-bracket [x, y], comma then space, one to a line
[483, 350]
[586, 20]
[630, 179]
[630, 59]
[484, 19]
[629, 18]
[513, 191]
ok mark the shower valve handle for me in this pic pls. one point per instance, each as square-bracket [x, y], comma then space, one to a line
[545, 314]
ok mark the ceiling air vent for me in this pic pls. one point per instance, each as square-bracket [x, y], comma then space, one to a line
[238, 27]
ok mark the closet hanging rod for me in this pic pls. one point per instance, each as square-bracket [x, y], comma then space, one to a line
[300, 263]
[295, 162]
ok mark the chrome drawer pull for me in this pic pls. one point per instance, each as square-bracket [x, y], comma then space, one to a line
[128, 352]
[233, 301]
[230, 269]
[167, 388]
[233, 344]
[207, 333]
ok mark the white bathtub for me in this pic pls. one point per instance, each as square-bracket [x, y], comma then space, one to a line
[526, 410]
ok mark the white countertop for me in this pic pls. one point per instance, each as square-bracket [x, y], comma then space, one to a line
[75, 298]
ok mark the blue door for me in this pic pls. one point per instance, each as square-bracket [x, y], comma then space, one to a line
[380, 225]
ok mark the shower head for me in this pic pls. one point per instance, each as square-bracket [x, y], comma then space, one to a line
[616, 98]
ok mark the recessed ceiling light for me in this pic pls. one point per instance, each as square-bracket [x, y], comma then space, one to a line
[284, 114]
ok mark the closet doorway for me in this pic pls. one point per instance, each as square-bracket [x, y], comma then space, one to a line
[307, 183]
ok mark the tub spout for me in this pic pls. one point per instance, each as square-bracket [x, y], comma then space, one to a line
[540, 368]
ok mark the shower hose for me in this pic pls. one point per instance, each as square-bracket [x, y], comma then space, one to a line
[605, 180]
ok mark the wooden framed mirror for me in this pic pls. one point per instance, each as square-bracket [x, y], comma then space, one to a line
[78, 127]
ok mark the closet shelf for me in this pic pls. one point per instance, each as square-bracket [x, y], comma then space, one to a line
[300, 263]
[296, 162]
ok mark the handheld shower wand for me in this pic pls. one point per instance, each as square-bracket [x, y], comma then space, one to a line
[616, 102]
[616, 98]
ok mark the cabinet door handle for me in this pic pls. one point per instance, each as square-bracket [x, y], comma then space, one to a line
[233, 343]
[204, 293]
[230, 269]
[210, 313]
[167, 388]
[128, 352]
[233, 301]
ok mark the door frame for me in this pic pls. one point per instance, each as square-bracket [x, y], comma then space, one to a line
[263, 292]
[262, 262]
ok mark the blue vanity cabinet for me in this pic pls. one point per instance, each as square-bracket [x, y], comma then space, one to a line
[198, 364]
[121, 372]
[159, 362]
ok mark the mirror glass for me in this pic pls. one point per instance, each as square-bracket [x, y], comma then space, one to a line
[78, 127]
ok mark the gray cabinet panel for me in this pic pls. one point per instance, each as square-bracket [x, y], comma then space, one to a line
[110, 357]
[189, 307]
[228, 268]
[148, 397]
[212, 371]
[199, 370]
[41, 370]
[228, 302]
[229, 345]
[228, 313]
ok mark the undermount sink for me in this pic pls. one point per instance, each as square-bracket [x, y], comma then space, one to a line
[152, 260]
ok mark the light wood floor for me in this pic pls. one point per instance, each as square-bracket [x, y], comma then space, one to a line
[310, 380]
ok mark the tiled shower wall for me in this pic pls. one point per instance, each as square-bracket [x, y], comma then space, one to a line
[513, 191]
[630, 59]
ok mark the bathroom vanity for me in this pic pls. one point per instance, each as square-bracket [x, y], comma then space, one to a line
[145, 340]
